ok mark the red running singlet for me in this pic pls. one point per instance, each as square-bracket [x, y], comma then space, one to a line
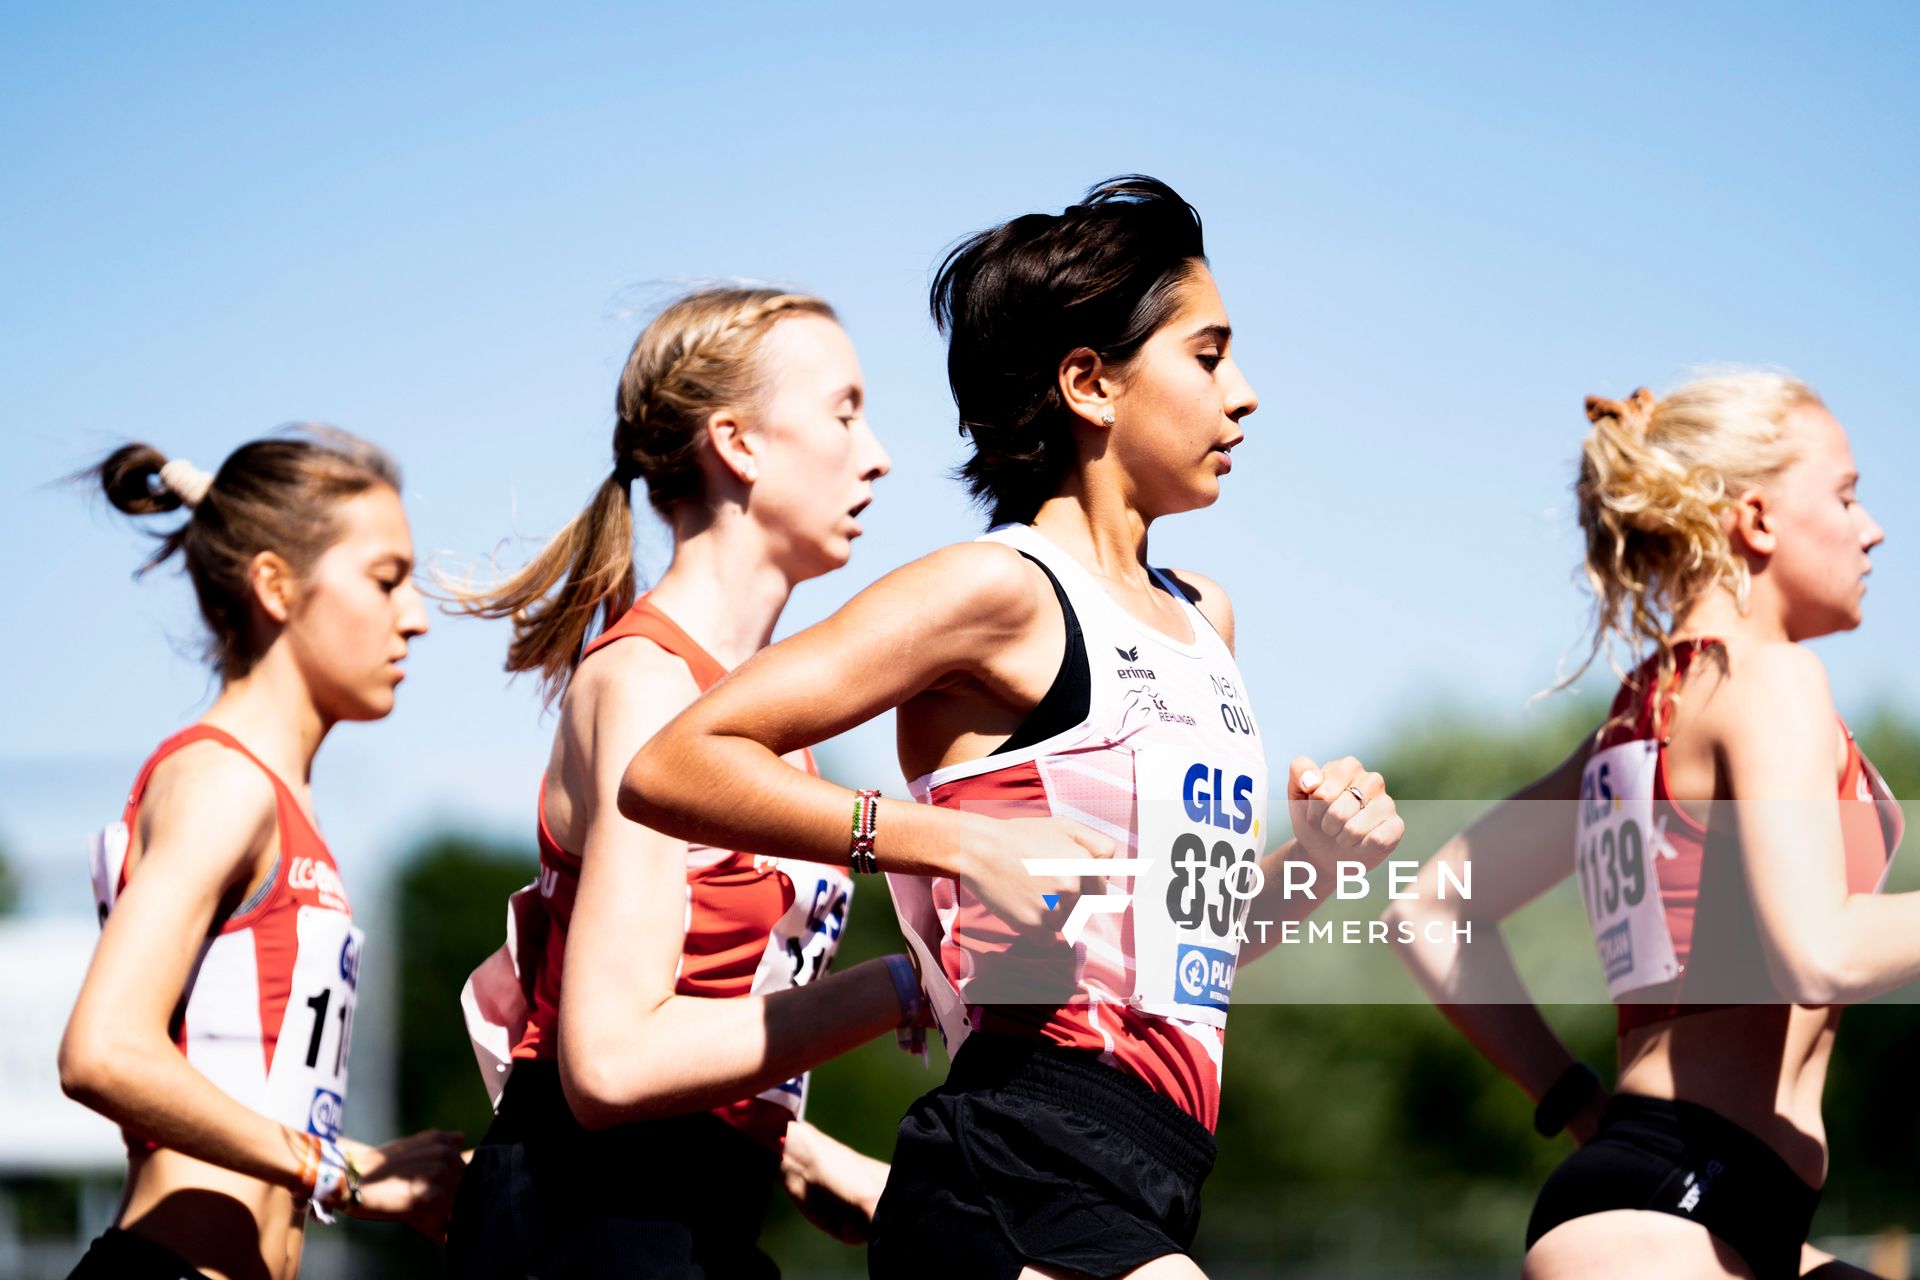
[754, 923]
[267, 1013]
[1692, 944]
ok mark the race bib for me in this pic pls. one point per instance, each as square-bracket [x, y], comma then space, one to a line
[307, 1087]
[801, 947]
[1200, 820]
[919, 922]
[1893, 819]
[106, 855]
[1614, 850]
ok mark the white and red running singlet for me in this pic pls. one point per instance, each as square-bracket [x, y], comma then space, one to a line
[1168, 763]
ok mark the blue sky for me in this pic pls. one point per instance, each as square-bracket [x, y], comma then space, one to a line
[1437, 229]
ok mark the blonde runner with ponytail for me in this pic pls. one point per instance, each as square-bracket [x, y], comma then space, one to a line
[647, 1031]
[696, 357]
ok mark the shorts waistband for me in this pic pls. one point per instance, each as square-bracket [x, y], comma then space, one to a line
[1688, 1124]
[1077, 1081]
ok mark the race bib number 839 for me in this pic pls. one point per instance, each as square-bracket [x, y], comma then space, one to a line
[1200, 831]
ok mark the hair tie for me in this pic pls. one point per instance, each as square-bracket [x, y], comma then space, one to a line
[185, 481]
[1633, 413]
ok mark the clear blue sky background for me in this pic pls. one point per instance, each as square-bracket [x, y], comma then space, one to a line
[1437, 229]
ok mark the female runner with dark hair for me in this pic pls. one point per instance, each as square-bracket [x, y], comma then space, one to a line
[1729, 842]
[214, 1020]
[1059, 701]
[654, 1021]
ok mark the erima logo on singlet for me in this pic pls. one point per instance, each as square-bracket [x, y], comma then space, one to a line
[1131, 672]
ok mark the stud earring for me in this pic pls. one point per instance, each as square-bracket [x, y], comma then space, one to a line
[1106, 419]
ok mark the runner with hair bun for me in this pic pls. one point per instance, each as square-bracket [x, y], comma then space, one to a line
[648, 1030]
[1059, 700]
[214, 1022]
[1730, 842]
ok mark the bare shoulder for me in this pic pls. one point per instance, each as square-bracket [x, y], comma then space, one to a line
[979, 586]
[1775, 680]
[1209, 597]
[209, 804]
[633, 683]
[1773, 709]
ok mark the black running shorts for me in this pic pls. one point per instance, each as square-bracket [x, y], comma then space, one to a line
[122, 1255]
[1685, 1160]
[1031, 1153]
[675, 1199]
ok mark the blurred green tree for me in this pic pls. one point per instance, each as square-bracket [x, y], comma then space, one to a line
[9, 885]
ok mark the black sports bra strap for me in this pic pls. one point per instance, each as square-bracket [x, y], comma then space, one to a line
[1070, 696]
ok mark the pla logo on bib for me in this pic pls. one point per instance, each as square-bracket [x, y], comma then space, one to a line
[1616, 950]
[323, 1115]
[1204, 976]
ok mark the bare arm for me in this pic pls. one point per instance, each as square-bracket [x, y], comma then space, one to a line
[1518, 851]
[207, 818]
[117, 1056]
[1823, 945]
[714, 773]
[623, 1030]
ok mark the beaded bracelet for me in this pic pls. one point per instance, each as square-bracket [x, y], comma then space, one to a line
[866, 816]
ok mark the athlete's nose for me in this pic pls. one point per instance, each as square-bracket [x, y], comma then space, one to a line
[1241, 400]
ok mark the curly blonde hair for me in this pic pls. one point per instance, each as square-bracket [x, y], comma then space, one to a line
[1657, 476]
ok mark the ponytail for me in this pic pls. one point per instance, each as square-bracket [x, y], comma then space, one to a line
[591, 562]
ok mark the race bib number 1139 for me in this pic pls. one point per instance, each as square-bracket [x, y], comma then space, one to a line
[1615, 846]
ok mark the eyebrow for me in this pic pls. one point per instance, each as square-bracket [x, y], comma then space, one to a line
[1220, 333]
[849, 392]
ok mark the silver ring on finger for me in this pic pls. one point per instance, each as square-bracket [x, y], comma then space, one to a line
[1359, 796]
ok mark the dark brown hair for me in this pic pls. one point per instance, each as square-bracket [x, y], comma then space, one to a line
[1017, 299]
[276, 494]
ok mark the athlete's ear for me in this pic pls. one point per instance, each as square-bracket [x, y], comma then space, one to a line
[1753, 525]
[1086, 387]
[273, 584]
[733, 445]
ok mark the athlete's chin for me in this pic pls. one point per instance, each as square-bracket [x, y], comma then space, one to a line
[1202, 495]
[826, 557]
[367, 704]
